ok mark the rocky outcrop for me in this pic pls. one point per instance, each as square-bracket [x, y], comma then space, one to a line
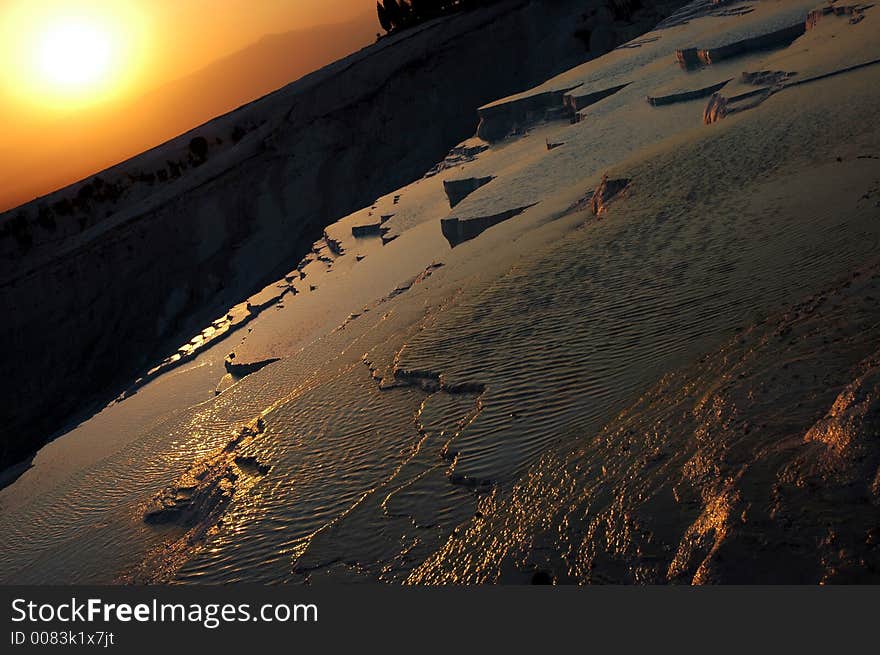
[720, 106]
[693, 57]
[685, 96]
[187, 512]
[368, 230]
[460, 154]
[776, 81]
[500, 120]
[855, 13]
[581, 98]
[512, 116]
[199, 496]
[334, 245]
[715, 110]
[607, 191]
[766, 78]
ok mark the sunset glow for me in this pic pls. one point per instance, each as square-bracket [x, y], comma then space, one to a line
[75, 54]
[88, 83]
[69, 55]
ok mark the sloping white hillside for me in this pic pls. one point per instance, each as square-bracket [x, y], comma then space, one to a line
[641, 352]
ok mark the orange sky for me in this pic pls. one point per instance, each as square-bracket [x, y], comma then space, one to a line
[199, 31]
[54, 136]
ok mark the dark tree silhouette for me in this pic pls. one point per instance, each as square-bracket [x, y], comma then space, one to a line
[199, 149]
[400, 14]
[386, 24]
[394, 14]
[397, 15]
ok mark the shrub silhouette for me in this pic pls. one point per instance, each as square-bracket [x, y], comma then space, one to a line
[199, 149]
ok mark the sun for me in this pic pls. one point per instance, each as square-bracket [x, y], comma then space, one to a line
[64, 55]
[75, 53]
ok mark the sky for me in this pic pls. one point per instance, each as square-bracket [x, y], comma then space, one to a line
[83, 80]
[200, 31]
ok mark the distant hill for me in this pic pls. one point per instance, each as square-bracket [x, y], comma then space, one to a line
[84, 144]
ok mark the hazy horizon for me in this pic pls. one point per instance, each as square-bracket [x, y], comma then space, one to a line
[180, 84]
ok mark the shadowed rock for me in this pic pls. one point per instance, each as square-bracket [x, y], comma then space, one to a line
[252, 465]
[685, 96]
[371, 230]
[574, 102]
[855, 12]
[766, 78]
[719, 106]
[198, 498]
[461, 154]
[694, 57]
[458, 230]
[607, 191]
[500, 120]
[334, 245]
[458, 190]
[243, 369]
[715, 110]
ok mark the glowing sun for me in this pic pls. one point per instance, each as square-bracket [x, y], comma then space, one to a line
[68, 54]
[74, 53]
